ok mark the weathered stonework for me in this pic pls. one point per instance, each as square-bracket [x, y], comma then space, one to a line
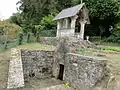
[64, 46]
[15, 75]
[84, 71]
[78, 70]
[49, 40]
[37, 63]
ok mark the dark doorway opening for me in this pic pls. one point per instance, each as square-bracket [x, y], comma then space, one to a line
[61, 71]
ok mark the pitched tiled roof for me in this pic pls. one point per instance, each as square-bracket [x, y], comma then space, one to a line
[69, 12]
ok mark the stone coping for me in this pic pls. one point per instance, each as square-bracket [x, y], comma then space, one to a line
[37, 50]
[91, 57]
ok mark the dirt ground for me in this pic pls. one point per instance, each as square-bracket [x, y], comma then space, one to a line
[4, 64]
[47, 84]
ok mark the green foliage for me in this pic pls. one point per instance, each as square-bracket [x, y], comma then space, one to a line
[115, 37]
[8, 29]
[112, 48]
[112, 39]
[62, 4]
[16, 18]
[47, 23]
[1, 30]
[34, 10]
[102, 13]
[67, 84]
[102, 9]
[20, 38]
[47, 26]
[116, 31]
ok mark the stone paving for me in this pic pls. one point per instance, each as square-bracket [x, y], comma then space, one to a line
[15, 75]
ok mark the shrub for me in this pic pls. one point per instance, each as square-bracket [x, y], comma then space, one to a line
[48, 26]
[20, 38]
[47, 23]
[112, 38]
[115, 37]
[11, 30]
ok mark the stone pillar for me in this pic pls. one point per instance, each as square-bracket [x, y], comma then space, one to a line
[66, 23]
[58, 25]
[82, 30]
[58, 28]
[73, 22]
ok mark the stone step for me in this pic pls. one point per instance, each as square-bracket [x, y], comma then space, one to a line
[15, 75]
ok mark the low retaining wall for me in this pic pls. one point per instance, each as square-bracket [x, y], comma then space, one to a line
[37, 63]
[49, 40]
[79, 70]
[83, 71]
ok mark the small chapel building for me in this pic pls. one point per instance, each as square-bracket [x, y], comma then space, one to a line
[71, 21]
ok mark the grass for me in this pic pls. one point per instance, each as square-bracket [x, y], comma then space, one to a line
[36, 46]
[25, 45]
[112, 48]
[9, 45]
[113, 64]
[84, 52]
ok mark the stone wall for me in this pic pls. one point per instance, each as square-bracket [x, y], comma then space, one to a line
[64, 46]
[37, 63]
[72, 42]
[65, 32]
[49, 40]
[83, 71]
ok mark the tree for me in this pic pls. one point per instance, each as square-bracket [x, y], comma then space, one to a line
[16, 18]
[9, 29]
[47, 25]
[34, 10]
[102, 13]
[62, 4]
[32, 13]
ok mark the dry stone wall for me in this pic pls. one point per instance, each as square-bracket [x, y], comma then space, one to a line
[37, 63]
[79, 71]
[73, 42]
[64, 46]
[49, 40]
[84, 71]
